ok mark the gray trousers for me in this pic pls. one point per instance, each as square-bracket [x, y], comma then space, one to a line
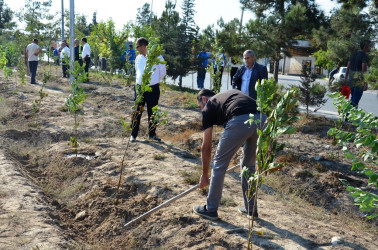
[236, 133]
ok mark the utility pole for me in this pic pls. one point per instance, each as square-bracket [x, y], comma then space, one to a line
[72, 37]
[241, 20]
[152, 3]
[62, 21]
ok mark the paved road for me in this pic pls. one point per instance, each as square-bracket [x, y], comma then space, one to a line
[369, 100]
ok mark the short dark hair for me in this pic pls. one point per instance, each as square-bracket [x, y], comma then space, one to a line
[84, 39]
[35, 40]
[130, 45]
[205, 92]
[142, 41]
[365, 43]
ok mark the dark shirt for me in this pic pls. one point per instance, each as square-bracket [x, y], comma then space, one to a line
[78, 50]
[357, 60]
[222, 107]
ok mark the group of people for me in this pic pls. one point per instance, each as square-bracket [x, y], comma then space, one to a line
[61, 55]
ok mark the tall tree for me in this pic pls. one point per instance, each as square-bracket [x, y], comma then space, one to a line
[278, 24]
[190, 35]
[6, 16]
[172, 37]
[144, 15]
[229, 39]
[110, 43]
[191, 29]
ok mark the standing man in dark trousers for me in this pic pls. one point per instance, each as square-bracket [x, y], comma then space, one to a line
[32, 52]
[86, 56]
[356, 67]
[151, 98]
[247, 75]
[78, 50]
[231, 109]
[65, 58]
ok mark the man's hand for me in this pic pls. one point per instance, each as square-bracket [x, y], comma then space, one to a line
[204, 181]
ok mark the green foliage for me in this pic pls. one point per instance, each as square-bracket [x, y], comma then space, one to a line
[364, 140]
[11, 54]
[3, 58]
[311, 94]
[371, 76]
[21, 69]
[75, 99]
[6, 16]
[111, 43]
[8, 72]
[277, 123]
[144, 15]
[229, 39]
[323, 60]
[348, 27]
[37, 103]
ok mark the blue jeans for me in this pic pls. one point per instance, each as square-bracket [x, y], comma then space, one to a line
[236, 133]
[33, 70]
[356, 96]
[201, 74]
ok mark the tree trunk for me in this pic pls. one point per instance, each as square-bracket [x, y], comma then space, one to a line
[276, 65]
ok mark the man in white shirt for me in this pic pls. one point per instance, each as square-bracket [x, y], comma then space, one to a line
[86, 55]
[65, 59]
[32, 52]
[151, 98]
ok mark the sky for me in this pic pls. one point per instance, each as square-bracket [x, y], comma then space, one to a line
[207, 11]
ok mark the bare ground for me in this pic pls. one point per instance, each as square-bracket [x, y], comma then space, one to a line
[50, 200]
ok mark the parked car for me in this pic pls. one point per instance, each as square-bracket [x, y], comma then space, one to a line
[340, 75]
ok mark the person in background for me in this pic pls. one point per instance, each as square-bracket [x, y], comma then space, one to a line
[357, 66]
[55, 56]
[219, 64]
[247, 75]
[65, 57]
[78, 51]
[149, 98]
[32, 53]
[203, 59]
[86, 56]
[234, 66]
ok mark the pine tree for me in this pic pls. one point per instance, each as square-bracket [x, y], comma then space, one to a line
[311, 94]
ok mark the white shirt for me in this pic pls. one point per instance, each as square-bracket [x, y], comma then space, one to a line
[65, 52]
[159, 70]
[32, 49]
[86, 51]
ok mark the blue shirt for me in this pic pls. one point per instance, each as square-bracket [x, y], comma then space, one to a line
[246, 79]
[203, 58]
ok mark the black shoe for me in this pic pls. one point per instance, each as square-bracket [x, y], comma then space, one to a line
[244, 212]
[33, 83]
[202, 211]
[154, 138]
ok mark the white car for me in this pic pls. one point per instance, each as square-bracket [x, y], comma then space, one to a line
[340, 75]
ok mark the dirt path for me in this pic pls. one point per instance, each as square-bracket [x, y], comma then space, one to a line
[26, 218]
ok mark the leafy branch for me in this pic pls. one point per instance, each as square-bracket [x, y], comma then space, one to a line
[364, 140]
[277, 123]
[75, 99]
